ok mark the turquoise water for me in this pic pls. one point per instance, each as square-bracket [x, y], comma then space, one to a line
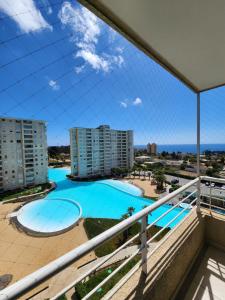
[99, 200]
[123, 186]
[46, 215]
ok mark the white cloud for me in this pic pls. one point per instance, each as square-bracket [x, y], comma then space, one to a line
[97, 62]
[87, 30]
[47, 6]
[25, 14]
[124, 104]
[81, 21]
[54, 85]
[119, 49]
[79, 69]
[137, 101]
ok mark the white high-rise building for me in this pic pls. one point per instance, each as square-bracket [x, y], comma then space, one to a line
[23, 153]
[95, 151]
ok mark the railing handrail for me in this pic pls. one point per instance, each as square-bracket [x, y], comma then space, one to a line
[34, 279]
[213, 179]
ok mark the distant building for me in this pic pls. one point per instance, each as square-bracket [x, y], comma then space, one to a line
[193, 168]
[23, 153]
[143, 158]
[152, 149]
[95, 151]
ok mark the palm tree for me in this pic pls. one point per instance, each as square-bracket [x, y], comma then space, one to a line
[144, 168]
[130, 210]
[139, 171]
[160, 179]
[134, 171]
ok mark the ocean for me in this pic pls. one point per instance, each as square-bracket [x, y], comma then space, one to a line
[186, 148]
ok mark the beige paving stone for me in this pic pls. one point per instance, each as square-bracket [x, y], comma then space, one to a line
[145, 185]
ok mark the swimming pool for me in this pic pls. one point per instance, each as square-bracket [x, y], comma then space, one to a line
[94, 199]
[123, 186]
[45, 215]
[99, 200]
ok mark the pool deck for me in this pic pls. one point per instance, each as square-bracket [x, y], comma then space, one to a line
[21, 254]
[145, 185]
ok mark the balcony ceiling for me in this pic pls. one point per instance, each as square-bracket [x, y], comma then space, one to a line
[185, 37]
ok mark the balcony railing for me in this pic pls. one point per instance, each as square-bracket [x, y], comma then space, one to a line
[193, 197]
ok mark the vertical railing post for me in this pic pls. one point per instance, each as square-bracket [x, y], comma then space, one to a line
[198, 153]
[144, 248]
[210, 194]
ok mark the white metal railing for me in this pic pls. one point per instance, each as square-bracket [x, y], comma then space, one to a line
[214, 194]
[34, 279]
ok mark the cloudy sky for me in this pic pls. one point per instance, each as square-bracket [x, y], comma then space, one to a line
[60, 63]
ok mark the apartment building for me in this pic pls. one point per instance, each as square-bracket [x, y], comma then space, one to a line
[152, 149]
[95, 151]
[23, 153]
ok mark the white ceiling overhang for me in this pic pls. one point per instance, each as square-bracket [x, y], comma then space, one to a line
[185, 37]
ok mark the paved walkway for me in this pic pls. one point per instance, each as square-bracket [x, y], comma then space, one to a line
[70, 274]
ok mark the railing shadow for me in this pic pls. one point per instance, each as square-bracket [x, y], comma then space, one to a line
[141, 290]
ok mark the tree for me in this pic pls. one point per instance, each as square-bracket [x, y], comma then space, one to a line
[183, 166]
[134, 169]
[129, 172]
[130, 210]
[116, 172]
[125, 171]
[174, 155]
[164, 154]
[160, 180]
[211, 172]
[144, 169]
[139, 171]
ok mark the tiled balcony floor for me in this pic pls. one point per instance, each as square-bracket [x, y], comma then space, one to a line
[209, 281]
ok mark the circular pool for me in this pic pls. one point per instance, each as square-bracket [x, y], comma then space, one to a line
[48, 216]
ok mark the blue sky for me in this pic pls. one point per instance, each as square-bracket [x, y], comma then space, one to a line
[60, 63]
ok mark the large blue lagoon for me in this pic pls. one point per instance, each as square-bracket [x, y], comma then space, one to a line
[106, 199]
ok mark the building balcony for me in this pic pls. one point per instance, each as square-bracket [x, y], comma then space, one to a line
[187, 262]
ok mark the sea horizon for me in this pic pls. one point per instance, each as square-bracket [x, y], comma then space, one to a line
[185, 148]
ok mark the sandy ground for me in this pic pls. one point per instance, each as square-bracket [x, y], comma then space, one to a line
[21, 254]
[145, 185]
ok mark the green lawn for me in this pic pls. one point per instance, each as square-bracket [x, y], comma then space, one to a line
[25, 192]
[63, 297]
[83, 289]
[94, 227]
